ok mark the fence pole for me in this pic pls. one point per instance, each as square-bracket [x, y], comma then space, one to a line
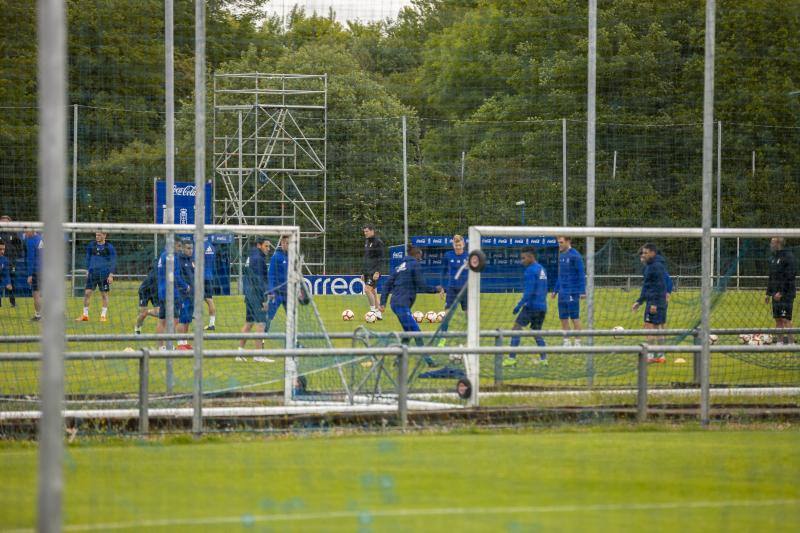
[641, 385]
[498, 362]
[169, 96]
[74, 189]
[52, 162]
[402, 387]
[405, 188]
[199, 209]
[564, 171]
[708, 139]
[719, 200]
[590, 179]
[144, 392]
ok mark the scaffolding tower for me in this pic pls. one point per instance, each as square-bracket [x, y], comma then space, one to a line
[270, 154]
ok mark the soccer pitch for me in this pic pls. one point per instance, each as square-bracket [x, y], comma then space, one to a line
[607, 478]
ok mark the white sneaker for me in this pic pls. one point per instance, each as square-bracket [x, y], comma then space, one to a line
[566, 342]
[379, 315]
[240, 358]
[263, 360]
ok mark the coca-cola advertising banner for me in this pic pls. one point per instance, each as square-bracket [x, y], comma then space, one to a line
[184, 194]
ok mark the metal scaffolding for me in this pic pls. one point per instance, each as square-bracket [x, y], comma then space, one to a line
[270, 153]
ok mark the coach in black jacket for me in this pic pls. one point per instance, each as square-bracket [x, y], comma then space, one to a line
[14, 249]
[781, 286]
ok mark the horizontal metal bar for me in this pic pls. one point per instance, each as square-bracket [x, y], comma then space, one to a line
[581, 231]
[90, 227]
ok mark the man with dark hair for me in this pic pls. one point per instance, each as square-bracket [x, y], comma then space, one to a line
[653, 295]
[532, 307]
[185, 305]
[101, 262]
[209, 282]
[781, 287]
[33, 262]
[570, 286]
[404, 283]
[14, 252]
[374, 257]
[180, 288]
[256, 286]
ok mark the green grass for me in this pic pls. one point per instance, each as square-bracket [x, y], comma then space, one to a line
[601, 479]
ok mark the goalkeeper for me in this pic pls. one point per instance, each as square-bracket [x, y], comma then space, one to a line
[532, 307]
[405, 282]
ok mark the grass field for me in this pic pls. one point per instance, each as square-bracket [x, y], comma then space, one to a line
[603, 479]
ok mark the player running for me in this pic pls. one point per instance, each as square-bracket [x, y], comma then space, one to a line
[654, 296]
[209, 282]
[532, 307]
[256, 286]
[570, 287]
[404, 284]
[781, 287]
[101, 262]
[374, 253]
[148, 292]
[33, 262]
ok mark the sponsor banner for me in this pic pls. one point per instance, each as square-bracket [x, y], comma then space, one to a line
[338, 285]
[435, 241]
[184, 194]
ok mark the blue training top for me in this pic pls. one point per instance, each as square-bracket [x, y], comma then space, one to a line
[101, 259]
[210, 254]
[451, 264]
[278, 272]
[405, 282]
[654, 288]
[535, 295]
[186, 271]
[5, 272]
[180, 285]
[571, 274]
[255, 281]
[667, 278]
[33, 253]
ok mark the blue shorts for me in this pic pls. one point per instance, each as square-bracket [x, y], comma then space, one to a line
[94, 281]
[569, 306]
[146, 296]
[657, 318]
[530, 317]
[452, 294]
[186, 311]
[274, 304]
[254, 310]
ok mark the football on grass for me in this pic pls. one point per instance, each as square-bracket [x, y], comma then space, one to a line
[347, 314]
[419, 316]
[370, 316]
[430, 316]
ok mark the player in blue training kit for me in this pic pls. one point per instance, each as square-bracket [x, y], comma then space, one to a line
[148, 293]
[33, 262]
[180, 289]
[185, 269]
[454, 277]
[256, 286]
[532, 307]
[5, 273]
[209, 282]
[101, 263]
[570, 286]
[405, 282]
[653, 295]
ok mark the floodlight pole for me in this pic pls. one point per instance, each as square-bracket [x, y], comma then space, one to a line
[74, 188]
[405, 187]
[169, 104]
[591, 118]
[52, 158]
[199, 208]
[706, 261]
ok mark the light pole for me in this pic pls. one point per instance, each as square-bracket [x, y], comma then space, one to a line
[521, 205]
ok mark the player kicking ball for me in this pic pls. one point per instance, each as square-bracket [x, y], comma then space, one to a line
[532, 307]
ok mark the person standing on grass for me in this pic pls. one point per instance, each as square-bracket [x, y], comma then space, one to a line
[532, 307]
[185, 270]
[255, 286]
[179, 288]
[781, 286]
[570, 287]
[653, 295]
[454, 277]
[101, 262]
[33, 262]
[14, 251]
[5, 273]
[374, 258]
[209, 282]
[403, 285]
[148, 292]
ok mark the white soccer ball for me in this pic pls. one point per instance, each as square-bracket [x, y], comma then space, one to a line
[370, 316]
[440, 316]
[713, 339]
[430, 316]
[419, 316]
[745, 338]
[618, 328]
[456, 357]
[347, 314]
[766, 338]
[755, 340]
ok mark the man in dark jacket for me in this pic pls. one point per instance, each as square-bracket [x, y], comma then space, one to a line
[14, 252]
[374, 257]
[781, 286]
[653, 295]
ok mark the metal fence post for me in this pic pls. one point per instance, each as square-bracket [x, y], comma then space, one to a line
[144, 392]
[641, 385]
[498, 362]
[591, 116]
[402, 387]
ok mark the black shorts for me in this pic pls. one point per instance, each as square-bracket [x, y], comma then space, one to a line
[254, 310]
[528, 316]
[368, 280]
[208, 289]
[162, 309]
[35, 281]
[146, 296]
[94, 281]
[657, 318]
[782, 308]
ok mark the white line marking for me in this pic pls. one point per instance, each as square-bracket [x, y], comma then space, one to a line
[446, 511]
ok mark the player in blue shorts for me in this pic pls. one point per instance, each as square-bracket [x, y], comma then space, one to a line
[101, 262]
[185, 304]
[532, 307]
[180, 289]
[454, 276]
[33, 262]
[570, 287]
[653, 295]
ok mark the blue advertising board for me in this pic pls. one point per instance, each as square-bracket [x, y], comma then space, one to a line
[338, 285]
[184, 194]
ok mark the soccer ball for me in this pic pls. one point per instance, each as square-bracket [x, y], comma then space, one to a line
[618, 328]
[745, 338]
[456, 357]
[440, 316]
[713, 339]
[419, 316]
[766, 338]
[430, 316]
[347, 314]
[755, 340]
[370, 316]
